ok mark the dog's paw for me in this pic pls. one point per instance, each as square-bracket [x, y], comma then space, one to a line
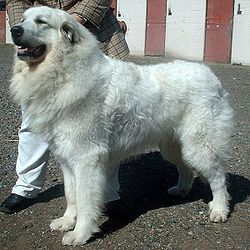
[63, 224]
[218, 213]
[177, 191]
[73, 238]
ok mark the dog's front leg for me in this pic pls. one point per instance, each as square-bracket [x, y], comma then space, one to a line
[68, 221]
[90, 184]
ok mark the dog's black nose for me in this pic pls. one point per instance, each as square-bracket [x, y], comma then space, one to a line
[17, 31]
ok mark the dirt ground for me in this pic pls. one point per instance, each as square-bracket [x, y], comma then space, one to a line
[157, 220]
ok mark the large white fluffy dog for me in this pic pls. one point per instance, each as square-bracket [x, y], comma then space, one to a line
[96, 111]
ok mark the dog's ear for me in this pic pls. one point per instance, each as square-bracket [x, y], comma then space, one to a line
[70, 33]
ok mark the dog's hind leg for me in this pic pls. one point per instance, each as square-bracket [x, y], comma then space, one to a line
[171, 151]
[90, 184]
[68, 221]
[202, 154]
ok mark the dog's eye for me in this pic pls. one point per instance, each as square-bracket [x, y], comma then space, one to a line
[40, 21]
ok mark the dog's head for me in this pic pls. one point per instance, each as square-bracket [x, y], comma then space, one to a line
[43, 29]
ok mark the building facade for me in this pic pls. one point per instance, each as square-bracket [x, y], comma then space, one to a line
[200, 30]
[209, 30]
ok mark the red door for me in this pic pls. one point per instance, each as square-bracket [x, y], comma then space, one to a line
[114, 5]
[2, 27]
[218, 31]
[156, 27]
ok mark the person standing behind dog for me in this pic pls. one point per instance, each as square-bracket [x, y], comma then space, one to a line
[33, 152]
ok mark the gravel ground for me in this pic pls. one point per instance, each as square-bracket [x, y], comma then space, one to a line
[157, 220]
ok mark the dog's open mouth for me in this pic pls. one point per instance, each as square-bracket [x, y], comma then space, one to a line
[30, 53]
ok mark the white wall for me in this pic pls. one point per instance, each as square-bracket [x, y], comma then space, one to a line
[241, 33]
[8, 36]
[185, 29]
[134, 14]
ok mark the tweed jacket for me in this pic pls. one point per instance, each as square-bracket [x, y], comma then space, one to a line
[98, 13]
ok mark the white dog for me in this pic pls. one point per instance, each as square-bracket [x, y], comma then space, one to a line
[96, 111]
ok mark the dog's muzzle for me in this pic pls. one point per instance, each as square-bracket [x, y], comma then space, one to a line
[25, 51]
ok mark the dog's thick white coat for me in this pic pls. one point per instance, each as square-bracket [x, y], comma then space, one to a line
[96, 111]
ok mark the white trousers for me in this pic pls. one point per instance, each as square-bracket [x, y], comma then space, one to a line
[32, 159]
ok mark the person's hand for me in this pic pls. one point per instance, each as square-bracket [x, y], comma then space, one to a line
[123, 26]
[79, 18]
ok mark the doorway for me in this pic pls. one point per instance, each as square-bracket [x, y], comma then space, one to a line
[218, 28]
[155, 27]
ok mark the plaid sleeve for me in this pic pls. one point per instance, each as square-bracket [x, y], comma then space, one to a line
[111, 37]
[93, 10]
[15, 10]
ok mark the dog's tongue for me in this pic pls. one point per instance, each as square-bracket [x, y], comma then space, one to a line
[22, 50]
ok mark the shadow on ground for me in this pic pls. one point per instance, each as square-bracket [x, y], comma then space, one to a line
[144, 184]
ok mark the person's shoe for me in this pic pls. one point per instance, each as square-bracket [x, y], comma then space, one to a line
[14, 203]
